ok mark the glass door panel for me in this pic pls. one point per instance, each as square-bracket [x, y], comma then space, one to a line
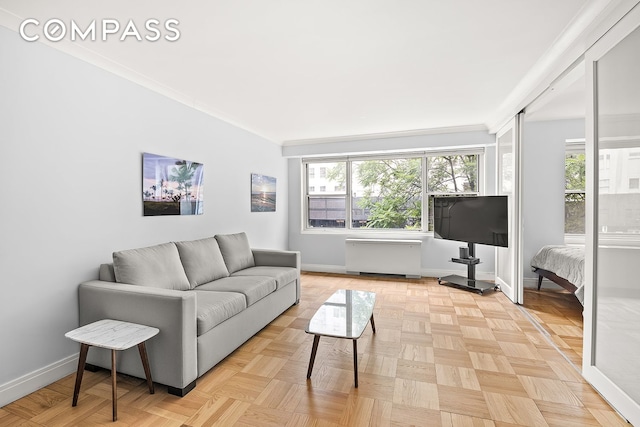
[612, 289]
[617, 302]
[507, 259]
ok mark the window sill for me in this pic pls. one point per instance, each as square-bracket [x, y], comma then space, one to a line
[372, 234]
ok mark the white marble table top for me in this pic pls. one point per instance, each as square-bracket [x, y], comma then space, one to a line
[344, 315]
[112, 334]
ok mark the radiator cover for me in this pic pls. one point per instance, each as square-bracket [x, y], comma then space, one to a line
[384, 256]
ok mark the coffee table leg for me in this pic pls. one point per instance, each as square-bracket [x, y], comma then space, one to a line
[145, 364]
[84, 348]
[316, 340]
[355, 361]
[114, 392]
[373, 324]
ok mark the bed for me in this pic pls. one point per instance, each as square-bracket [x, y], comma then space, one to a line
[563, 265]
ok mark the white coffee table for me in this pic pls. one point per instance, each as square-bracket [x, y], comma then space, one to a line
[114, 335]
[344, 315]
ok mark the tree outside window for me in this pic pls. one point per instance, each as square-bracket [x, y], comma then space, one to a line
[452, 175]
[575, 194]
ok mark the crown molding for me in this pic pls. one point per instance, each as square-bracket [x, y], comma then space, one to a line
[385, 135]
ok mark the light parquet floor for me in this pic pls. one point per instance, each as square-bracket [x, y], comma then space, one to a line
[559, 313]
[440, 357]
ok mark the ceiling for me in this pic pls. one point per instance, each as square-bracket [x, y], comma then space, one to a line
[293, 70]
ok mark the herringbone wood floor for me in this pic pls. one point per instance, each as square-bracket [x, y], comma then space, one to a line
[440, 357]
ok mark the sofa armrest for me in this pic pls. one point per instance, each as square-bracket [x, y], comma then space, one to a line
[172, 353]
[279, 258]
[276, 258]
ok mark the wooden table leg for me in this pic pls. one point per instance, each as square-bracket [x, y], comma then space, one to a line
[373, 324]
[355, 361]
[84, 348]
[316, 339]
[114, 389]
[145, 364]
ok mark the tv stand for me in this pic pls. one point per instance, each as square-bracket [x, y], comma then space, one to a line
[468, 283]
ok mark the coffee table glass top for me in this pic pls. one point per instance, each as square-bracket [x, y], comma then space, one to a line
[344, 315]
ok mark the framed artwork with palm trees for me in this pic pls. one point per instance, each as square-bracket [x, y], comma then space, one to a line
[171, 186]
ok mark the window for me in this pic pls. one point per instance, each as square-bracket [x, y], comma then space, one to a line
[386, 192]
[451, 175]
[574, 193]
[312, 173]
[324, 209]
[634, 183]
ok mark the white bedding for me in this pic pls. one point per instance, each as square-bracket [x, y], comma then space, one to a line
[566, 262]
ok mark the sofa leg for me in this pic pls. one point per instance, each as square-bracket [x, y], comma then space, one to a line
[181, 392]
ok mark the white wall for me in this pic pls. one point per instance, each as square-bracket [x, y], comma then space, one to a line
[71, 138]
[543, 182]
[325, 251]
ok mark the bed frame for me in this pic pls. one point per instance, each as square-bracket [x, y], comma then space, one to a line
[554, 278]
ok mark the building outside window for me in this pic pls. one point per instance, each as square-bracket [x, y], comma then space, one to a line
[325, 209]
[618, 189]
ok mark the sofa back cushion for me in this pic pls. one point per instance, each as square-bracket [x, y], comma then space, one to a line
[202, 261]
[235, 251]
[154, 266]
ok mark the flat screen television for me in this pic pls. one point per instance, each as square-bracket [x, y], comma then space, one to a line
[472, 219]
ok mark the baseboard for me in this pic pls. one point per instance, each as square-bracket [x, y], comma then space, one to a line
[321, 268]
[480, 275]
[33, 381]
[532, 282]
[340, 269]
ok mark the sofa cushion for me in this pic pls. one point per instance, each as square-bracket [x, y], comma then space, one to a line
[154, 266]
[235, 251]
[213, 308]
[254, 288]
[202, 261]
[282, 275]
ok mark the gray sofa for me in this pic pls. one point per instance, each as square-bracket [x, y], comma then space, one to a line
[206, 296]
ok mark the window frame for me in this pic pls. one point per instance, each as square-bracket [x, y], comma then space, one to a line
[573, 146]
[348, 193]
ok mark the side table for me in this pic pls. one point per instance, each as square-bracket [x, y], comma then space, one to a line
[114, 335]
